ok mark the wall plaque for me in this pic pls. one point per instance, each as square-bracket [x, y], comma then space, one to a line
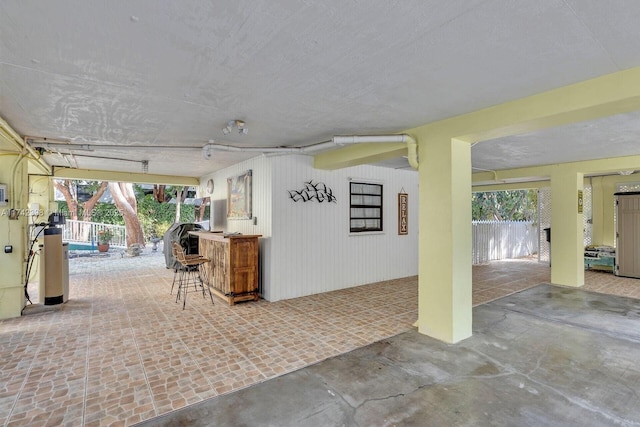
[580, 201]
[403, 214]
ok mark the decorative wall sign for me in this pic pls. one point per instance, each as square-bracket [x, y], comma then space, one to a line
[580, 201]
[239, 196]
[403, 214]
[313, 191]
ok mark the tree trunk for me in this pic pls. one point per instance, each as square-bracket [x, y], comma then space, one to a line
[68, 190]
[89, 205]
[87, 210]
[125, 201]
[179, 199]
[203, 208]
[159, 193]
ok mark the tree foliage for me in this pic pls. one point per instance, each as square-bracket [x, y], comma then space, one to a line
[156, 217]
[509, 205]
[148, 214]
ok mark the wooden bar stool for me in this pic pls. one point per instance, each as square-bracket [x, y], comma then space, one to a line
[190, 272]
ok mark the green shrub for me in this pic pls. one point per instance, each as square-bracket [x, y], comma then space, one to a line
[155, 218]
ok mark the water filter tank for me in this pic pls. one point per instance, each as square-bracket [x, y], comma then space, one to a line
[54, 268]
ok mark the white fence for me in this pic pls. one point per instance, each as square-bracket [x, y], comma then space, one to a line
[87, 232]
[494, 240]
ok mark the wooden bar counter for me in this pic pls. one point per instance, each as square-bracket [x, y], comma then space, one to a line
[233, 266]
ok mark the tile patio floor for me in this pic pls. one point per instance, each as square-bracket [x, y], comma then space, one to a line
[122, 351]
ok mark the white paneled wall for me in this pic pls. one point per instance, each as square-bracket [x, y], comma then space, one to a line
[261, 208]
[312, 248]
[306, 246]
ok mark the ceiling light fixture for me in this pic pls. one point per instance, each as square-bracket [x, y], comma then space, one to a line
[238, 124]
[145, 166]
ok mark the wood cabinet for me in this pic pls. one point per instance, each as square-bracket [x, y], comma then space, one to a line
[232, 269]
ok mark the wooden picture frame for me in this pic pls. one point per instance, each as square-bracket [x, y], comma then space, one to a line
[239, 196]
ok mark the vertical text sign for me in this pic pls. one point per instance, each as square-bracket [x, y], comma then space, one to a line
[403, 214]
[580, 201]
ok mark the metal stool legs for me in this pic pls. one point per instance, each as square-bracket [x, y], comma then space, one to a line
[192, 275]
[189, 272]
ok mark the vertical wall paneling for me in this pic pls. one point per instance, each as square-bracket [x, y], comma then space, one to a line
[315, 251]
[306, 247]
[261, 208]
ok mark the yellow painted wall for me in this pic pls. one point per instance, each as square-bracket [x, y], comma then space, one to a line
[604, 187]
[13, 232]
[41, 193]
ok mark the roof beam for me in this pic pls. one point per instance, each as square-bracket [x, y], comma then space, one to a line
[603, 96]
[138, 178]
[600, 166]
[358, 154]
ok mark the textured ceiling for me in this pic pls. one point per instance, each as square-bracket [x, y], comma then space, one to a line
[161, 79]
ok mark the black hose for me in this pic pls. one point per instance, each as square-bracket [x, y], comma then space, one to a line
[30, 255]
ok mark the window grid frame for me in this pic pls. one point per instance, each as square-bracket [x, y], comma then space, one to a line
[379, 207]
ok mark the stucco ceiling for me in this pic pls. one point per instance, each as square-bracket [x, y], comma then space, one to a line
[157, 80]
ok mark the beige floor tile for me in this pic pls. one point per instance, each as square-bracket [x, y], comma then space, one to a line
[122, 350]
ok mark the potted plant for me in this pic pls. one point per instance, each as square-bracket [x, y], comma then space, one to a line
[104, 238]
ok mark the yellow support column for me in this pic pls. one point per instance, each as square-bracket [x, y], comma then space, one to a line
[444, 290]
[567, 228]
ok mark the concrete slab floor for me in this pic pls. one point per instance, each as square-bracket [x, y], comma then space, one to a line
[547, 356]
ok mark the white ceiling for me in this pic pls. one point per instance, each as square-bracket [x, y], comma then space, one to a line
[158, 80]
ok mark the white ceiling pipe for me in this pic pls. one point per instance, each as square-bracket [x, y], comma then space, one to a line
[54, 146]
[219, 147]
[356, 139]
[319, 146]
[412, 151]
[279, 149]
[412, 145]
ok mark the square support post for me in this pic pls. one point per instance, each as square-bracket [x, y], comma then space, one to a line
[444, 292]
[567, 228]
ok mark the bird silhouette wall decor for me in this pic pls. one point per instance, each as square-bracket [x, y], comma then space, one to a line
[317, 191]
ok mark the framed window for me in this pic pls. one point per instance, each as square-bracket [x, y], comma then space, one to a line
[365, 207]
